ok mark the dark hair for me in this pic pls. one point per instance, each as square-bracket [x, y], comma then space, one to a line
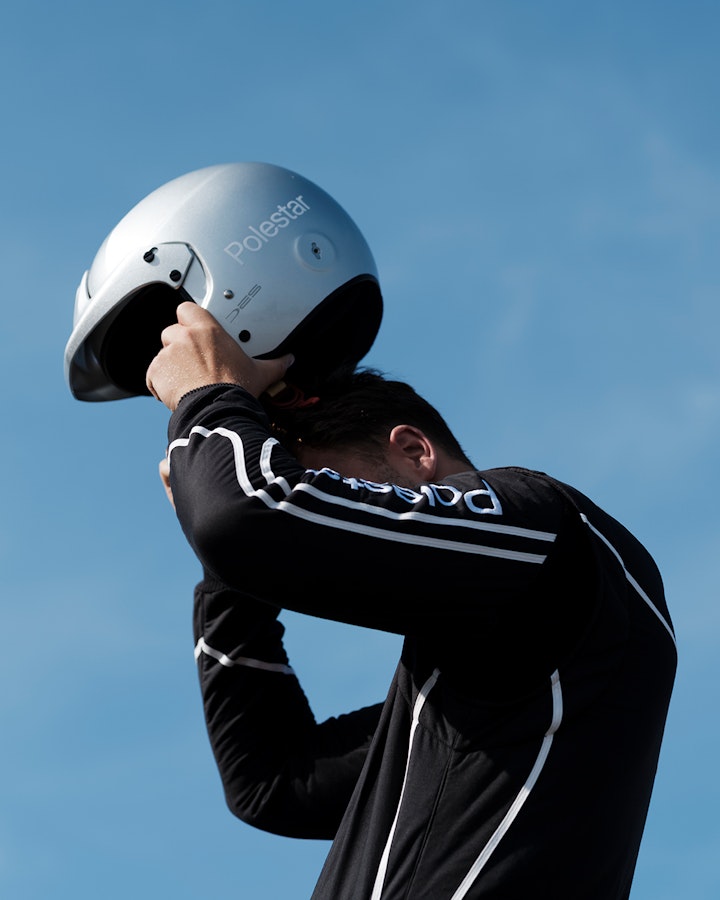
[359, 409]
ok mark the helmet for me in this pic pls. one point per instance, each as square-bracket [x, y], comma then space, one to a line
[275, 259]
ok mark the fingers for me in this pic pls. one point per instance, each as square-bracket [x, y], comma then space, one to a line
[169, 334]
[164, 470]
[189, 313]
[271, 371]
[197, 351]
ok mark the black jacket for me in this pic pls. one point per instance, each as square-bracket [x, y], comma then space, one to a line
[515, 753]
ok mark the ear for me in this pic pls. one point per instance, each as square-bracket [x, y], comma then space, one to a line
[411, 451]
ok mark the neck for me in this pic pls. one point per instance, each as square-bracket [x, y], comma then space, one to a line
[450, 465]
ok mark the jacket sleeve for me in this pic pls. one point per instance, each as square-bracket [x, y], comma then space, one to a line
[376, 555]
[281, 771]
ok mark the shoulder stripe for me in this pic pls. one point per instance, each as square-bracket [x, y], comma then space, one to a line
[629, 577]
[239, 459]
[418, 539]
[288, 506]
[510, 530]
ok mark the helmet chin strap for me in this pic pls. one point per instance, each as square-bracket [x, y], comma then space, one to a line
[288, 396]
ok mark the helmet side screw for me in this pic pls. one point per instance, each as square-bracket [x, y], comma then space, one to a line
[228, 295]
[175, 275]
[150, 255]
[244, 336]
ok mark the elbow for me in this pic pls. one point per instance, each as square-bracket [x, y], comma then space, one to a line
[250, 806]
[224, 543]
[280, 812]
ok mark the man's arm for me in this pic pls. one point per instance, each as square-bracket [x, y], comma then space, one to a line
[442, 560]
[376, 555]
[281, 771]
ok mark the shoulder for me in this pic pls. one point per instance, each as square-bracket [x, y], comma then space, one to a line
[522, 492]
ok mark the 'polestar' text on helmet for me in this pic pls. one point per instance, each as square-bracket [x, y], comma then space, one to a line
[277, 261]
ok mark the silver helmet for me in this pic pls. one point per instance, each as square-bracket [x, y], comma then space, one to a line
[279, 264]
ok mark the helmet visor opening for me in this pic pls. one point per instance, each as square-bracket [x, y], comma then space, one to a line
[133, 339]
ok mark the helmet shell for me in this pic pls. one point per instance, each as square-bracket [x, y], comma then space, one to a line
[279, 264]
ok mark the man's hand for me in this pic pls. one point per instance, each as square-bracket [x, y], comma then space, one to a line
[164, 469]
[197, 351]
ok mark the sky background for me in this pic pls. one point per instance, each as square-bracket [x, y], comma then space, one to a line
[540, 186]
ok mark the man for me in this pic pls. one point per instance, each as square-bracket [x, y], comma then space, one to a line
[515, 753]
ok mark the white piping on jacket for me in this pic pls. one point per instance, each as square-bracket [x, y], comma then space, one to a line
[522, 796]
[225, 660]
[369, 530]
[629, 577]
[419, 703]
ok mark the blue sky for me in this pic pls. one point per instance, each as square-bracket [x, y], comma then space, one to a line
[540, 185]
